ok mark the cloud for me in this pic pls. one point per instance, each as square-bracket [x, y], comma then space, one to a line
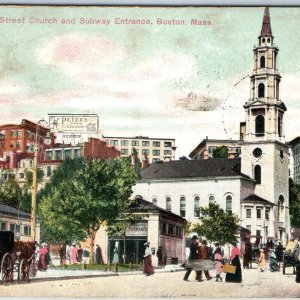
[83, 58]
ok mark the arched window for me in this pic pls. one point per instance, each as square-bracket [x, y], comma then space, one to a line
[211, 199]
[229, 203]
[280, 208]
[262, 62]
[154, 201]
[261, 90]
[260, 125]
[182, 206]
[168, 204]
[197, 206]
[257, 174]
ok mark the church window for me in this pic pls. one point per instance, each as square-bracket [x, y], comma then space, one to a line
[268, 40]
[248, 213]
[258, 213]
[280, 208]
[168, 204]
[262, 62]
[257, 174]
[263, 40]
[211, 199]
[197, 206]
[260, 125]
[261, 90]
[280, 126]
[182, 206]
[229, 203]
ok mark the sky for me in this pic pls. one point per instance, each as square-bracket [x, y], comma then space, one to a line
[185, 82]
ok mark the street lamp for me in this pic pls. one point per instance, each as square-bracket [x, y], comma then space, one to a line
[34, 176]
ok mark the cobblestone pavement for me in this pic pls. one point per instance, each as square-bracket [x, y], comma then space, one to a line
[163, 284]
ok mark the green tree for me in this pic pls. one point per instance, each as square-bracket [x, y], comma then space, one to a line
[56, 226]
[294, 203]
[221, 152]
[217, 225]
[89, 195]
[11, 192]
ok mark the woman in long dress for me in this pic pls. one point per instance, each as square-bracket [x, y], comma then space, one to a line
[42, 263]
[262, 261]
[148, 268]
[235, 261]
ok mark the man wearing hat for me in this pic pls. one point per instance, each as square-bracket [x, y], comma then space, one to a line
[148, 268]
[193, 255]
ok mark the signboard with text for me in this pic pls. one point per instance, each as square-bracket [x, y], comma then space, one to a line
[79, 123]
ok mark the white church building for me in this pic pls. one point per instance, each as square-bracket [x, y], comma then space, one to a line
[253, 186]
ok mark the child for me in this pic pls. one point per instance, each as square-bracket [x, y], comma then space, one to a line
[219, 265]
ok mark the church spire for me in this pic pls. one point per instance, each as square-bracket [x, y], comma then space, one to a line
[266, 25]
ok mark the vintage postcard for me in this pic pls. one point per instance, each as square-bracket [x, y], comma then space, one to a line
[204, 101]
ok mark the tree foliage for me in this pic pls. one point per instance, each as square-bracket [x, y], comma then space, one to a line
[221, 152]
[294, 203]
[84, 194]
[217, 225]
[11, 192]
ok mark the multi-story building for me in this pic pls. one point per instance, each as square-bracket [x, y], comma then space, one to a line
[207, 147]
[17, 141]
[294, 146]
[154, 149]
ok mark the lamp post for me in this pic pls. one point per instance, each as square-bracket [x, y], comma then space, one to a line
[34, 177]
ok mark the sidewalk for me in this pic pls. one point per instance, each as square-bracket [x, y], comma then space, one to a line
[56, 274]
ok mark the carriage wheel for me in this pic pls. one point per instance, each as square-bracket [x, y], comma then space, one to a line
[7, 269]
[24, 270]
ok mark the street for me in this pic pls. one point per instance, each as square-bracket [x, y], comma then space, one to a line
[163, 284]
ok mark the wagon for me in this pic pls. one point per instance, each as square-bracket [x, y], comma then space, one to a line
[16, 257]
[290, 256]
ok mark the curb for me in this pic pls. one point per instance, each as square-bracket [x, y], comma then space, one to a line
[68, 277]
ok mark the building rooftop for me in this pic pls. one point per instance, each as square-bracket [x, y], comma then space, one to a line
[12, 211]
[218, 167]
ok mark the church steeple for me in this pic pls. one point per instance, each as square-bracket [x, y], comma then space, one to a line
[264, 109]
[266, 37]
[266, 25]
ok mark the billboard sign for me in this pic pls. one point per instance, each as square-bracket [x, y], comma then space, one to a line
[74, 123]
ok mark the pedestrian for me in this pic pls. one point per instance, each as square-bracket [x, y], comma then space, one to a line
[68, 253]
[98, 255]
[203, 253]
[159, 254]
[42, 263]
[273, 262]
[115, 260]
[85, 257]
[218, 263]
[193, 255]
[79, 254]
[261, 260]
[247, 255]
[74, 252]
[148, 268]
[235, 261]
[62, 255]
[279, 251]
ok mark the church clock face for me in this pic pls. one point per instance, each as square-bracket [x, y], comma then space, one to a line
[257, 152]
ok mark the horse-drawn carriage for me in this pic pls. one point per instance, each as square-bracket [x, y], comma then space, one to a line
[290, 256]
[16, 257]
